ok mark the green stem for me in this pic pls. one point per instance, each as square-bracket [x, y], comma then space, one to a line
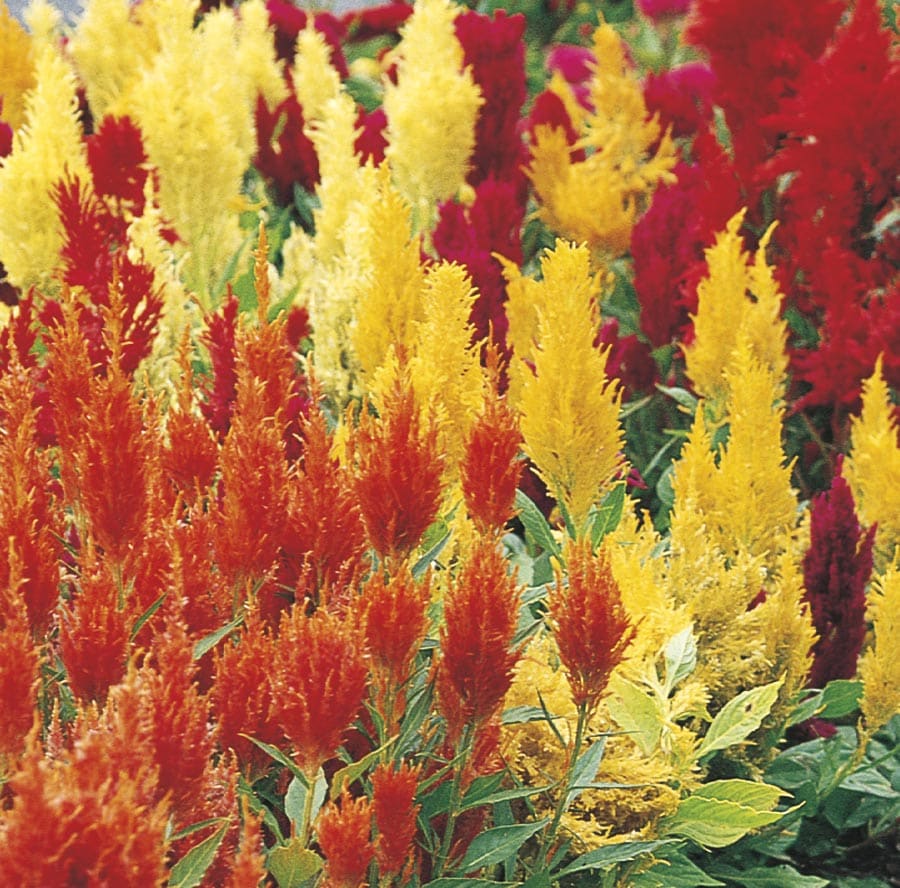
[306, 825]
[463, 751]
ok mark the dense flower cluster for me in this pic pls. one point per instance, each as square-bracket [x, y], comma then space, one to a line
[345, 537]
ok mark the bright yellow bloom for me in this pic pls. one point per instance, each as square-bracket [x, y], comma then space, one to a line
[879, 668]
[569, 406]
[16, 68]
[316, 80]
[736, 299]
[47, 147]
[598, 200]
[873, 466]
[431, 110]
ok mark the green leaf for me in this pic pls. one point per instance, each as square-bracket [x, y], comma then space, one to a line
[142, 619]
[467, 883]
[295, 800]
[440, 535]
[208, 642]
[481, 788]
[536, 524]
[195, 827]
[351, 773]
[635, 711]
[600, 858]
[837, 699]
[606, 517]
[506, 795]
[495, 845]
[681, 657]
[675, 871]
[189, 871]
[739, 718]
[293, 865]
[585, 770]
[275, 753]
[781, 876]
[680, 396]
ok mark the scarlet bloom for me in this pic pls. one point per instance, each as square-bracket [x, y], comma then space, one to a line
[319, 676]
[344, 835]
[490, 470]
[398, 471]
[393, 800]
[477, 660]
[589, 621]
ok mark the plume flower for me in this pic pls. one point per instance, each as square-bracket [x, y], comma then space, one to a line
[735, 300]
[569, 407]
[319, 677]
[836, 569]
[344, 835]
[17, 76]
[430, 144]
[589, 622]
[475, 668]
[395, 812]
[879, 668]
[397, 468]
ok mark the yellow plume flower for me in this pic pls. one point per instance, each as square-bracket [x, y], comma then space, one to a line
[597, 200]
[879, 668]
[16, 68]
[256, 57]
[316, 80]
[431, 110]
[873, 466]
[46, 147]
[390, 300]
[569, 406]
[735, 300]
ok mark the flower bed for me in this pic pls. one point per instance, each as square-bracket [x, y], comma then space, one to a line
[449, 447]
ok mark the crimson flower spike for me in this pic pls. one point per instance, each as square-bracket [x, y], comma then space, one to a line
[398, 470]
[477, 660]
[591, 626]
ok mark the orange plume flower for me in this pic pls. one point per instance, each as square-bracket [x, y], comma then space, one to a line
[590, 623]
[248, 869]
[319, 677]
[398, 470]
[477, 660]
[490, 470]
[393, 802]
[344, 835]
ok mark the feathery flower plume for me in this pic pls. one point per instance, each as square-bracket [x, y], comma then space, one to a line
[589, 622]
[569, 406]
[873, 467]
[598, 199]
[395, 812]
[735, 300]
[836, 569]
[319, 676]
[344, 835]
[248, 869]
[475, 668]
[430, 144]
[397, 468]
[879, 668]
[490, 470]
[17, 76]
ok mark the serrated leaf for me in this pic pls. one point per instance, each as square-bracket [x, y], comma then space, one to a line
[635, 711]
[680, 657]
[739, 718]
[208, 642]
[189, 871]
[295, 800]
[535, 523]
[585, 770]
[495, 845]
[293, 865]
[600, 858]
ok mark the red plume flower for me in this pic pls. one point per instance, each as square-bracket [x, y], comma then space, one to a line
[393, 801]
[344, 835]
[590, 623]
[318, 677]
[477, 660]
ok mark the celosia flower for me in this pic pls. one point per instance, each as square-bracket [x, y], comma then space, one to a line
[220, 340]
[589, 621]
[477, 660]
[395, 812]
[375, 21]
[661, 9]
[289, 20]
[248, 868]
[344, 835]
[118, 162]
[879, 668]
[397, 470]
[319, 676]
[836, 569]
[490, 470]
[682, 96]
[17, 75]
